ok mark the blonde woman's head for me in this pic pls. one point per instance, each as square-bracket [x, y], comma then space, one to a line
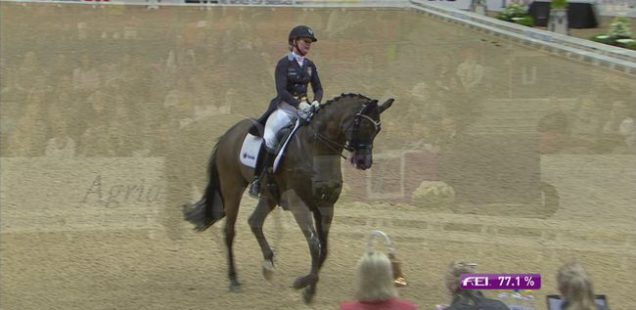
[375, 278]
[576, 287]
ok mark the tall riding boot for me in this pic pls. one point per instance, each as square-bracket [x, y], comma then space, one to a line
[266, 167]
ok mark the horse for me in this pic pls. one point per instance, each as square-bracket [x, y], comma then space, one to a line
[307, 183]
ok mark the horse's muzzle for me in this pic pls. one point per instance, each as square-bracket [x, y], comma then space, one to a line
[362, 159]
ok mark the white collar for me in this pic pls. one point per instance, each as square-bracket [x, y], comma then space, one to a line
[299, 59]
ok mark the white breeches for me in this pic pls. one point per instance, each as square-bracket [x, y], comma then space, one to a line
[279, 119]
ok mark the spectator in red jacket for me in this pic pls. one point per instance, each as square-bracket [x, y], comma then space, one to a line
[375, 286]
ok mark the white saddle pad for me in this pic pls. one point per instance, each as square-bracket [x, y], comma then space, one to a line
[249, 150]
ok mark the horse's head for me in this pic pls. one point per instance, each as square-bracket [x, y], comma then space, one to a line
[361, 129]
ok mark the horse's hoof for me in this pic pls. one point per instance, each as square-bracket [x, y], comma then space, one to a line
[268, 270]
[235, 287]
[302, 282]
[308, 295]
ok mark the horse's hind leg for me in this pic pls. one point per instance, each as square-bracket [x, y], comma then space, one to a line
[232, 200]
[257, 219]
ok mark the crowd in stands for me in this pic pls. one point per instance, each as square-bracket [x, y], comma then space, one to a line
[118, 81]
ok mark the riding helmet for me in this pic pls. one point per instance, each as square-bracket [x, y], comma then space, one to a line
[301, 31]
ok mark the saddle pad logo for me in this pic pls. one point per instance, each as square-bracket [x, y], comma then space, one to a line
[248, 156]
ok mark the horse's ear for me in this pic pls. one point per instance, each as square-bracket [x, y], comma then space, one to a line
[387, 104]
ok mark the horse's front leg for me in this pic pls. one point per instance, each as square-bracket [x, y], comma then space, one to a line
[305, 221]
[256, 221]
[323, 219]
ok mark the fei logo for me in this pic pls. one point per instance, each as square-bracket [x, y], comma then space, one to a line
[504, 281]
[474, 281]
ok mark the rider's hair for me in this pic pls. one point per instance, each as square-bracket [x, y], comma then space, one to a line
[375, 278]
[576, 287]
[292, 44]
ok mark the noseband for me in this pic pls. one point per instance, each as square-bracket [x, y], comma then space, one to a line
[350, 146]
[360, 116]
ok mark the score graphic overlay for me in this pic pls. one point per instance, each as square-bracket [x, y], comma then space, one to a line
[503, 281]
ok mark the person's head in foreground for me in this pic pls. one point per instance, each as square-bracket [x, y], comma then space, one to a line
[576, 288]
[453, 278]
[375, 287]
[467, 299]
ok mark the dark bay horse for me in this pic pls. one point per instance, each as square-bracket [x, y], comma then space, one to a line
[308, 182]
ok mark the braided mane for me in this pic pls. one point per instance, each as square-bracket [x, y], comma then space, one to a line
[342, 96]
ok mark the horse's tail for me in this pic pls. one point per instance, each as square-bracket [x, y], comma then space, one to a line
[209, 209]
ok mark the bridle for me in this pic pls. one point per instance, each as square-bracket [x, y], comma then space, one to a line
[350, 145]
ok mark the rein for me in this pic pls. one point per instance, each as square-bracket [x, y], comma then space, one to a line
[329, 143]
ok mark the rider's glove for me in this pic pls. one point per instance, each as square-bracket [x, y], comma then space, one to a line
[315, 105]
[305, 107]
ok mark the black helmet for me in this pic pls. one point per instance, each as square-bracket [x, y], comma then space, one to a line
[301, 32]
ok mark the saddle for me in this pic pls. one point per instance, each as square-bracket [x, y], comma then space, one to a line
[254, 146]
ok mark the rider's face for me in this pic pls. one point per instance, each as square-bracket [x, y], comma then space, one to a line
[303, 45]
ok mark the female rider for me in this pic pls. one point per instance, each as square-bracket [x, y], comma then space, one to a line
[293, 73]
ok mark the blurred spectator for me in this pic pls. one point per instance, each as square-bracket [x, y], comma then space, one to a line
[470, 72]
[553, 129]
[627, 129]
[620, 110]
[421, 138]
[122, 130]
[613, 88]
[446, 81]
[182, 55]
[95, 141]
[586, 126]
[424, 104]
[27, 71]
[110, 73]
[616, 131]
[338, 22]
[467, 299]
[375, 286]
[82, 31]
[30, 134]
[85, 77]
[575, 286]
[130, 30]
[180, 102]
[61, 145]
